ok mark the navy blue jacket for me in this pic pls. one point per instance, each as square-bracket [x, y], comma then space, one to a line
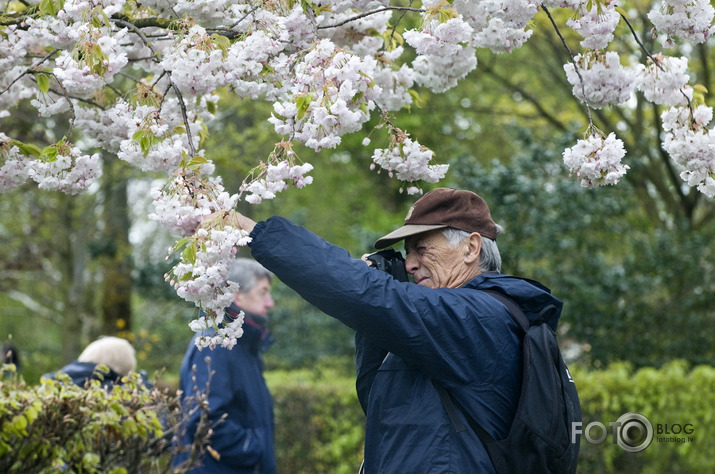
[245, 439]
[407, 337]
[82, 372]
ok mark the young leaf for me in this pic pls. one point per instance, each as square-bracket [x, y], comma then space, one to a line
[43, 82]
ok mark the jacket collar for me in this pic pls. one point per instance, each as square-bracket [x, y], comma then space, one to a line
[255, 330]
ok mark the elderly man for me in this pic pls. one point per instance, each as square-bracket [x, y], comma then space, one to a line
[108, 359]
[239, 402]
[410, 336]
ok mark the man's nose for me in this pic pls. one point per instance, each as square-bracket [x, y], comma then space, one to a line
[411, 263]
[269, 302]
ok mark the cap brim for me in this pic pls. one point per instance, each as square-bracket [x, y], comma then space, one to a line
[404, 232]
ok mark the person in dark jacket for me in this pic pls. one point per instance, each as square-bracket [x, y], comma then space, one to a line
[106, 359]
[438, 329]
[239, 402]
[10, 355]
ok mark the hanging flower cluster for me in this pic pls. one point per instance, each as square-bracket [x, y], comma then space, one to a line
[141, 80]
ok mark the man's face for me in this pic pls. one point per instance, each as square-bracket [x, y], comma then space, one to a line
[258, 300]
[432, 262]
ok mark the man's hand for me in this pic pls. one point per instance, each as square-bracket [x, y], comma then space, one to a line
[364, 258]
[232, 218]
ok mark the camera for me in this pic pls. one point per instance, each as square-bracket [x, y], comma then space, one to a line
[389, 261]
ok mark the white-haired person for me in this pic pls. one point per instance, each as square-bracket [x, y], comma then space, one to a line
[240, 404]
[107, 359]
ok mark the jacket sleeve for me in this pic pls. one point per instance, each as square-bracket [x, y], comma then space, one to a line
[440, 331]
[238, 445]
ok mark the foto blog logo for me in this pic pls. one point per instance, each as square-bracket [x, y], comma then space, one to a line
[632, 432]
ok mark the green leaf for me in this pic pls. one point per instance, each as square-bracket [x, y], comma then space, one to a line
[197, 162]
[43, 82]
[145, 144]
[49, 7]
[302, 104]
[221, 43]
[189, 253]
[27, 149]
[49, 154]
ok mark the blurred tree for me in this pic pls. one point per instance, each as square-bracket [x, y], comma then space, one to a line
[56, 245]
[632, 258]
[626, 294]
[116, 252]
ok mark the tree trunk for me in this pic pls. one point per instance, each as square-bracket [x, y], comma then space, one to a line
[117, 255]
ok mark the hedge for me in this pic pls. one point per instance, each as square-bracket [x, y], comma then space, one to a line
[319, 423]
[56, 426]
[671, 397]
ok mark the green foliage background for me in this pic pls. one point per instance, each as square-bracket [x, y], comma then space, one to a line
[320, 425]
[633, 263]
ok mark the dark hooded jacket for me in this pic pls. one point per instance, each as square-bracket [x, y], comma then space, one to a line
[237, 389]
[409, 337]
[82, 372]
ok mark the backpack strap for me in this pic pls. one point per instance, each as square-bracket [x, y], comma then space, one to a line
[448, 401]
[514, 310]
[451, 406]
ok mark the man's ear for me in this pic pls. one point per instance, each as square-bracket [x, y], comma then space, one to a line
[474, 247]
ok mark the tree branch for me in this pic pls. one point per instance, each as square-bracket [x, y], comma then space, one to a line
[31, 304]
[528, 96]
[365, 14]
[573, 60]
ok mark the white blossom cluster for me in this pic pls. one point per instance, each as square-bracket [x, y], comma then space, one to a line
[408, 161]
[499, 25]
[599, 79]
[331, 95]
[182, 204]
[202, 275]
[203, 280]
[15, 169]
[596, 25]
[692, 145]
[146, 92]
[689, 19]
[274, 180]
[595, 161]
[67, 169]
[665, 81]
[70, 171]
[445, 53]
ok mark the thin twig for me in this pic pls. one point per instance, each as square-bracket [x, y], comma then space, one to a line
[573, 60]
[363, 15]
[657, 63]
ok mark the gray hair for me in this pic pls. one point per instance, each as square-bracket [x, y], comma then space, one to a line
[246, 273]
[489, 257]
[114, 352]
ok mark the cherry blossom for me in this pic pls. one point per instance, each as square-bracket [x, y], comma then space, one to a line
[691, 20]
[599, 79]
[596, 161]
[142, 80]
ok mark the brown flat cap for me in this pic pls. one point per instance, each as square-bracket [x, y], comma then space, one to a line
[441, 208]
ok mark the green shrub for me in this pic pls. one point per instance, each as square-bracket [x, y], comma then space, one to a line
[320, 425]
[670, 397]
[57, 426]
[319, 422]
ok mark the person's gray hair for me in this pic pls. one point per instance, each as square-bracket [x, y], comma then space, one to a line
[489, 257]
[114, 352]
[246, 273]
